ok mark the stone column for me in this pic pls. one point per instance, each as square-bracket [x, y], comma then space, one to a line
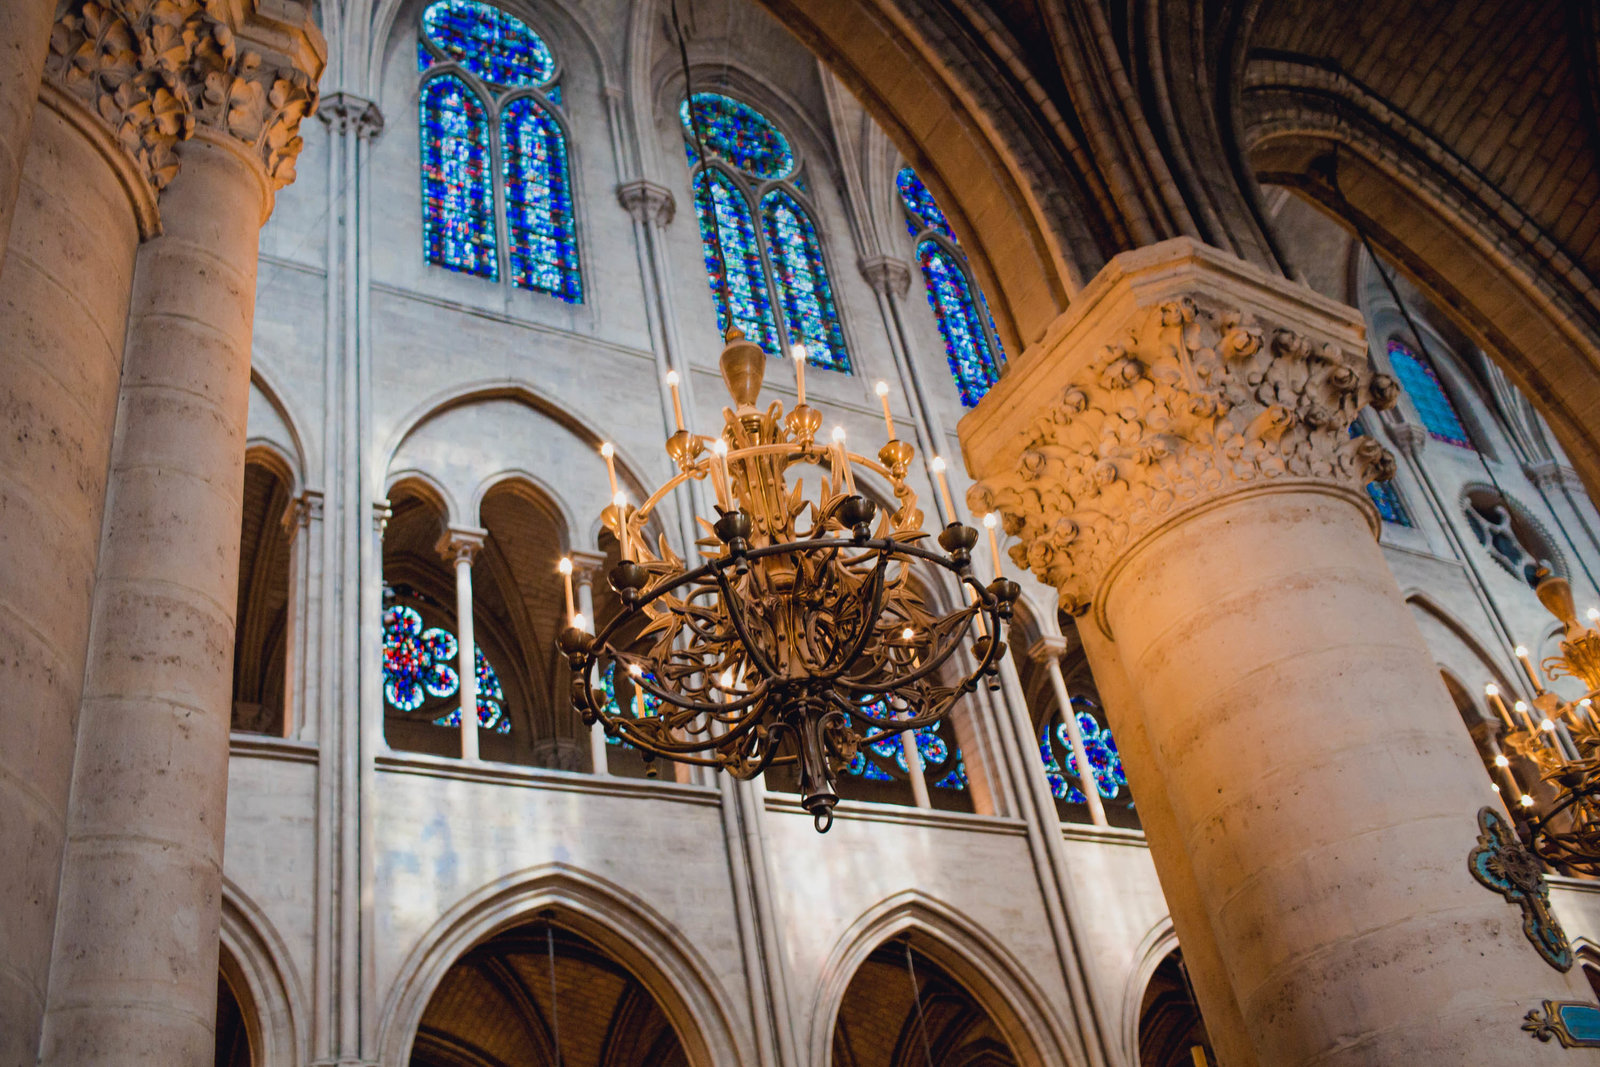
[133, 973]
[24, 40]
[459, 546]
[1173, 458]
[1047, 652]
[63, 310]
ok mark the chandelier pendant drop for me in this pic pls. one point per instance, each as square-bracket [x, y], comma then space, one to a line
[806, 630]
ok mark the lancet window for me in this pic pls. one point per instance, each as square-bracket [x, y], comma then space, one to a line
[495, 168]
[970, 343]
[1420, 380]
[420, 674]
[748, 192]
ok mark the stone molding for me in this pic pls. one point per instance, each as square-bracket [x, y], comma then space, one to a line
[346, 111]
[1408, 437]
[1046, 648]
[587, 566]
[1187, 377]
[888, 275]
[1554, 476]
[461, 542]
[156, 71]
[648, 202]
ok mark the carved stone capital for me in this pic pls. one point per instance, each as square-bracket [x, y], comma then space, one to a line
[344, 112]
[648, 202]
[154, 71]
[1180, 375]
[586, 566]
[1047, 648]
[1408, 438]
[302, 511]
[457, 543]
[887, 275]
[1552, 476]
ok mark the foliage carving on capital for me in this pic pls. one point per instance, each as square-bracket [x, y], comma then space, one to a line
[155, 70]
[1191, 404]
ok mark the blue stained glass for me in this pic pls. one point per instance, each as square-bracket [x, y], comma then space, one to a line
[495, 46]
[458, 226]
[739, 134]
[419, 664]
[1105, 763]
[921, 210]
[608, 686]
[1421, 383]
[936, 754]
[424, 57]
[965, 344]
[542, 236]
[722, 208]
[553, 94]
[1386, 495]
[802, 279]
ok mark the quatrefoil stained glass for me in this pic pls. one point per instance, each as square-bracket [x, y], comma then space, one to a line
[495, 46]
[942, 765]
[1105, 762]
[739, 134]
[419, 666]
[458, 229]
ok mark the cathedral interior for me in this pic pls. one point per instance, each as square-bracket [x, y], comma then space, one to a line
[1253, 344]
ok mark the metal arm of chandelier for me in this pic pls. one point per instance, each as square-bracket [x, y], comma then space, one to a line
[1561, 738]
[803, 635]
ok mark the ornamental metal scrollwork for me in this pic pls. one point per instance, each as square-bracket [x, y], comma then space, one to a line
[1501, 863]
[1572, 1022]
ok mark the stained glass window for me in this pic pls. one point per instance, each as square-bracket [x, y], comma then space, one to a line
[803, 281]
[465, 44]
[740, 134]
[884, 760]
[970, 344]
[457, 186]
[419, 665]
[1386, 495]
[542, 237]
[1421, 383]
[1105, 762]
[495, 46]
[778, 277]
[608, 686]
[722, 208]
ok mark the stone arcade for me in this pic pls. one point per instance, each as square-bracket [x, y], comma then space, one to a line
[1270, 331]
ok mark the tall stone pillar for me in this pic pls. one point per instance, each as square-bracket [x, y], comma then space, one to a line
[24, 40]
[63, 308]
[460, 546]
[1173, 457]
[133, 972]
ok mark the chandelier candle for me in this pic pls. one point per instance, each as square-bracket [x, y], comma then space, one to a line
[1527, 665]
[609, 451]
[1492, 691]
[882, 389]
[937, 463]
[780, 638]
[677, 401]
[990, 521]
[800, 355]
[565, 567]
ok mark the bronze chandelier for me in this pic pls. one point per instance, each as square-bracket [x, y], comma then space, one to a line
[1562, 739]
[805, 632]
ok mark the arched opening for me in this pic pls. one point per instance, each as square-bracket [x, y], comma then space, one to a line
[540, 994]
[1171, 1031]
[902, 1009]
[232, 1035]
[261, 636]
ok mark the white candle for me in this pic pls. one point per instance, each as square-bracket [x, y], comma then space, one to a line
[577, 622]
[609, 451]
[841, 461]
[565, 568]
[937, 463]
[1527, 664]
[677, 401]
[800, 356]
[990, 521]
[1492, 691]
[882, 389]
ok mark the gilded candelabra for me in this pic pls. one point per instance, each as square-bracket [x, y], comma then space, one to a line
[805, 630]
